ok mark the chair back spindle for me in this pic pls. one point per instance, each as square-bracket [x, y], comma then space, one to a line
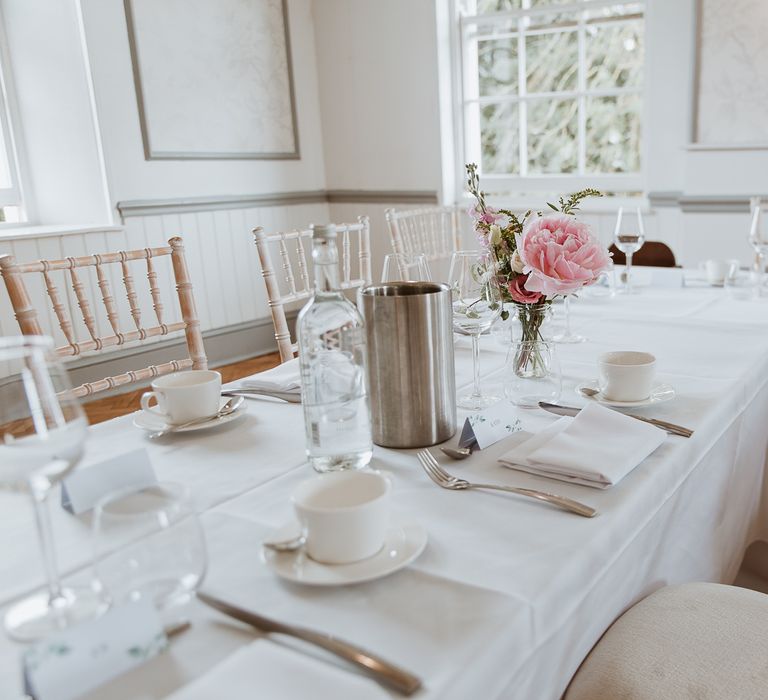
[26, 315]
[432, 231]
[293, 248]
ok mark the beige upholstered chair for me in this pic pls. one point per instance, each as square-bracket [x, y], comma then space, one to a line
[701, 641]
[26, 315]
[295, 249]
[433, 231]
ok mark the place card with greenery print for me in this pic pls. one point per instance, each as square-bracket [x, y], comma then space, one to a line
[489, 426]
[75, 661]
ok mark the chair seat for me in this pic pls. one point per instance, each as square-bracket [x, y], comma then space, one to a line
[698, 640]
[652, 254]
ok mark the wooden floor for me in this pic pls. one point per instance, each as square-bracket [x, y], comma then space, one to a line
[103, 409]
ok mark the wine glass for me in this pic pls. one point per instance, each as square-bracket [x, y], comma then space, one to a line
[628, 239]
[758, 239]
[476, 305]
[42, 432]
[402, 267]
[149, 544]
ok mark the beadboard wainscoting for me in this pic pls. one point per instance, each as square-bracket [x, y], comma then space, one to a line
[223, 265]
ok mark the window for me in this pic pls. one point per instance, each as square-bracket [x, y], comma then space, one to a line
[552, 93]
[10, 191]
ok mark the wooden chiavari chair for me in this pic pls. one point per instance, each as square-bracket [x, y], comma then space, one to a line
[295, 248]
[26, 315]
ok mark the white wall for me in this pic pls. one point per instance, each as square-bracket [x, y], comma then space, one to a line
[377, 70]
[132, 177]
[383, 55]
[56, 123]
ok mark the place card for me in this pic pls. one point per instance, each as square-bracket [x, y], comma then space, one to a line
[82, 489]
[489, 426]
[73, 662]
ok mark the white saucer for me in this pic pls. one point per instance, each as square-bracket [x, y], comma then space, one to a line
[151, 423]
[659, 394]
[404, 542]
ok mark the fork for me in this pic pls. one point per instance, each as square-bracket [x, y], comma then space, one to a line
[445, 480]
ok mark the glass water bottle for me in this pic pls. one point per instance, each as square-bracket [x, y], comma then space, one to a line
[334, 393]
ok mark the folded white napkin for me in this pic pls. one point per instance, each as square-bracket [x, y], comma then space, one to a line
[597, 448]
[266, 670]
[284, 377]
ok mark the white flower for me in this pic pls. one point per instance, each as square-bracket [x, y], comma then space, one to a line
[516, 263]
[495, 234]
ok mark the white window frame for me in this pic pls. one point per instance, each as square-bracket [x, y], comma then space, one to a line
[9, 196]
[466, 91]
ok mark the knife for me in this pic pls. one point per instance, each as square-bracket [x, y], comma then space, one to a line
[383, 671]
[288, 396]
[664, 425]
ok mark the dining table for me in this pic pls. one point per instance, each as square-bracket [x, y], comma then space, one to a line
[510, 594]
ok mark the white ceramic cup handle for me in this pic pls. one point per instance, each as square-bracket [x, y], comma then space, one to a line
[146, 397]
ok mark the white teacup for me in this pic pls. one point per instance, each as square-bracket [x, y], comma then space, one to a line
[184, 396]
[344, 516]
[626, 375]
[717, 271]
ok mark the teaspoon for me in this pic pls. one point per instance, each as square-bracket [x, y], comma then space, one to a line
[291, 545]
[456, 452]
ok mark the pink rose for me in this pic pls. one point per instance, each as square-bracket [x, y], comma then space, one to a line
[560, 255]
[519, 293]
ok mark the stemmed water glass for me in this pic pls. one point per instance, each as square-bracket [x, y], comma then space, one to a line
[758, 239]
[42, 432]
[628, 238]
[476, 305]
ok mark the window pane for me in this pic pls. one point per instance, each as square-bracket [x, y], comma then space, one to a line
[615, 55]
[552, 136]
[497, 66]
[552, 62]
[500, 139]
[485, 6]
[5, 172]
[613, 134]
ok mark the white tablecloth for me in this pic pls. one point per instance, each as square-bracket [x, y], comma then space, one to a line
[510, 594]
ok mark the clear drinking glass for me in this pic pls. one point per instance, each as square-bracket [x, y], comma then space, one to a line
[149, 544]
[402, 267]
[567, 335]
[476, 305]
[42, 432]
[758, 239]
[628, 236]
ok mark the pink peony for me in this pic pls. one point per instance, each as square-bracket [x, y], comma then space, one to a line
[519, 293]
[560, 255]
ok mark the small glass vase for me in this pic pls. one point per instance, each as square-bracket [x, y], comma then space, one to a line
[532, 371]
[537, 318]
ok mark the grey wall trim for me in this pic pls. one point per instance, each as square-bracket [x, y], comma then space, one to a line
[222, 346]
[154, 207]
[703, 204]
[664, 199]
[382, 197]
